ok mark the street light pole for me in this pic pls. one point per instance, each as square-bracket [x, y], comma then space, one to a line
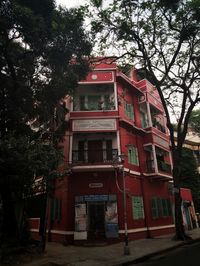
[126, 246]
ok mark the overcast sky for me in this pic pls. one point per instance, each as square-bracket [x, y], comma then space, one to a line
[70, 3]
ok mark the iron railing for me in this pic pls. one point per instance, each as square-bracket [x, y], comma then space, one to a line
[162, 166]
[94, 156]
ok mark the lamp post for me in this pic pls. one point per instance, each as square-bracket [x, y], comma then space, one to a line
[126, 246]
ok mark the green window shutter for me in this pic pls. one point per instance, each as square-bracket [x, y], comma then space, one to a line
[128, 110]
[160, 208]
[131, 115]
[165, 209]
[143, 119]
[129, 154]
[141, 209]
[137, 208]
[154, 208]
[125, 109]
[134, 208]
[133, 155]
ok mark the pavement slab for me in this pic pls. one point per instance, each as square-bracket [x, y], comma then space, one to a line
[109, 255]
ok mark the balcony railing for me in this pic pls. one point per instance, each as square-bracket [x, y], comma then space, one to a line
[150, 166]
[159, 126]
[94, 156]
[162, 166]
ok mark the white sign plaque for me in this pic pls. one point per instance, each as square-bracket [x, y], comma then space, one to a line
[94, 124]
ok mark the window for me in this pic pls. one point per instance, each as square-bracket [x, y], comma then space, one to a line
[82, 103]
[109, 155]
[129, 110]
[133, 155]
[137, 207]
[107, 105]
[154, 208]
[160, 207]
[143, 119]
[94, 102]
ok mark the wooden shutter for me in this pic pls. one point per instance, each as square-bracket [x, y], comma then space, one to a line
[81, 151]
[165, 208]
[137, 207]
[109, 150]
[154, 208]
[160, 207]
[133, 155]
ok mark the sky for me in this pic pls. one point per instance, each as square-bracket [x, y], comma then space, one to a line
[70, 3]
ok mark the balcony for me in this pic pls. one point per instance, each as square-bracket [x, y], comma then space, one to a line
[158, 125]
[157, 163]
[150, 168]
[94, 156]
[163, 172]
[96, 97]
[164, 167]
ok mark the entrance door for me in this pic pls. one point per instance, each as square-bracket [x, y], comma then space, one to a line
[95, 151]
[96, 222]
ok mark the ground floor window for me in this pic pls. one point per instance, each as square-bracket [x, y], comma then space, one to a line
[160, 207]
[137, 207]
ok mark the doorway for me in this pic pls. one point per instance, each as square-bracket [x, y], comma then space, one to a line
[95, 151]
[96, 220]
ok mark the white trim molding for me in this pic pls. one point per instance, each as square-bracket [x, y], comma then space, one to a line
[144, 229]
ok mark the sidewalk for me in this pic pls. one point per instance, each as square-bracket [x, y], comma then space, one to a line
[59, 255]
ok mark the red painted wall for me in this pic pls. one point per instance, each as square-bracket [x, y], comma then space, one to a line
[137, 184]
[186, 194]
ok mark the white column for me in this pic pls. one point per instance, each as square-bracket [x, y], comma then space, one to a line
[115, 95]
[149, 115]
[70, 147]
[154, 158]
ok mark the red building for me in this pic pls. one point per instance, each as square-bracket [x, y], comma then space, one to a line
[104, 196]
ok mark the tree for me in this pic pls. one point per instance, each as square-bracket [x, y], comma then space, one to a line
[22, 159]
[195, 121]
[43, 54]
[189, 177]
[161, 38]
[37, 70]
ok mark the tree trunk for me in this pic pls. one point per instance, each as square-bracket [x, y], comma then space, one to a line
[9, 223]
[180, 230]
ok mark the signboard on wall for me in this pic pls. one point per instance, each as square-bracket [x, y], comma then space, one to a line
[86, 198]
[80, 217]
[80, 222]
[95, 185]
[111, 220]
[94, 124]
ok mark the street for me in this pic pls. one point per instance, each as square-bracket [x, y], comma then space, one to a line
[188, 255]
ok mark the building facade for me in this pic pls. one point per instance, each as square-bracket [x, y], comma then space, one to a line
[117, 165]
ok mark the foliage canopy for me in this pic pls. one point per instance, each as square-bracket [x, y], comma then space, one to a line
[162, 39]
[42, 57]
